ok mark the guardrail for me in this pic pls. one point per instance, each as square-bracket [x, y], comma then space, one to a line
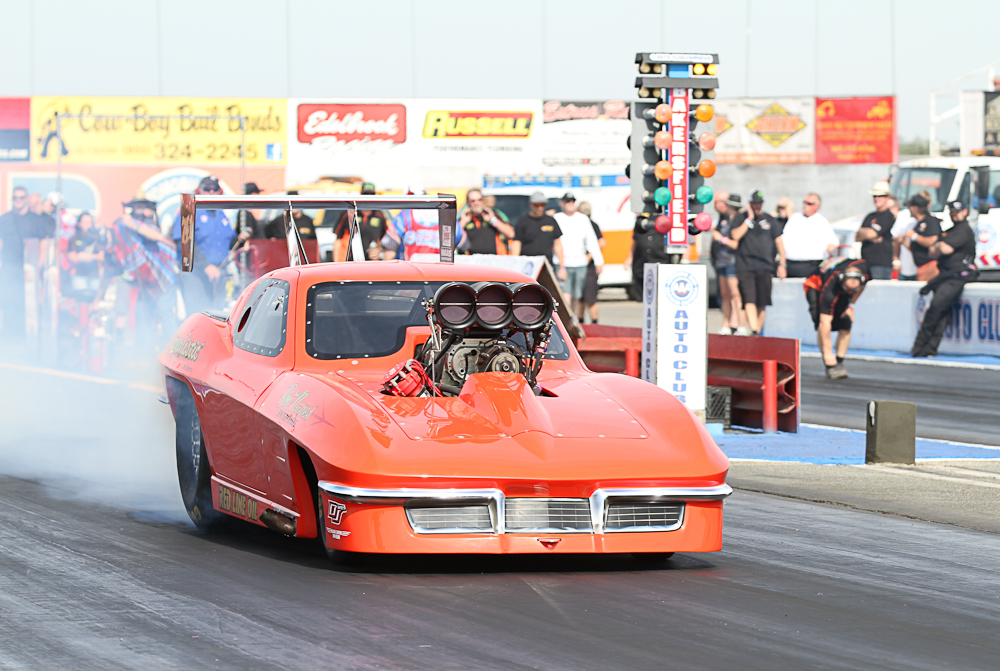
[763, 373]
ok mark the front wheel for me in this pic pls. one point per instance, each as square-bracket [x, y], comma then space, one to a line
[193, 472]
[339, 557]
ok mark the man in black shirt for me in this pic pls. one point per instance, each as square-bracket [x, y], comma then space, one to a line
[831, 291]
[485, 231]
[875, 235]
[247, 225]
[924, 234]
[537, 234]
[276, 228]
[759, 238]
[15, 227]
[371, 226]
[955, 253]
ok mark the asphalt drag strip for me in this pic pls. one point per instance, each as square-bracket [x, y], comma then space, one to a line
[798, 585]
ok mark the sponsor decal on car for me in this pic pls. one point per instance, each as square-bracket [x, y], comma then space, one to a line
[337, 534]
[336, 512]
[187, 348]
[450, 124]
[350, 125]
[236, 503]
[292, 407]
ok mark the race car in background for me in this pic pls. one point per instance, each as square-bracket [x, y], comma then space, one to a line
[974, 180]
[426, 408]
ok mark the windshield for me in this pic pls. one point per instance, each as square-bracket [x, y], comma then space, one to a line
[369, 319]
[908, 182]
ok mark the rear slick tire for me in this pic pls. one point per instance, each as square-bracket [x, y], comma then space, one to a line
[194, 474]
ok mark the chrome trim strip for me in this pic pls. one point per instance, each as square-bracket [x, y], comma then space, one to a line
[496, 499]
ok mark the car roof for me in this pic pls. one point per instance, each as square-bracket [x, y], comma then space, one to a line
[395, 271]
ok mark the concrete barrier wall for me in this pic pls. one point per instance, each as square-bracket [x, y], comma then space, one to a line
[888, 314]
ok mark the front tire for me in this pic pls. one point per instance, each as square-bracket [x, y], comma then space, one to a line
[338, 557]
[194, 474]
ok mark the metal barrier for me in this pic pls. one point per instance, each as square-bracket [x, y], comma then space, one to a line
[763, 373]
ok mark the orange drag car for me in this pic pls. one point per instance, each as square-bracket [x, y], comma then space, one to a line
[397, 407]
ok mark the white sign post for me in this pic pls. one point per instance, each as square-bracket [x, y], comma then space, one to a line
[675, 332]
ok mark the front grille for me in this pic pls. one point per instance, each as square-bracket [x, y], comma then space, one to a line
[664, 516]
[548, 515]
[455, 519]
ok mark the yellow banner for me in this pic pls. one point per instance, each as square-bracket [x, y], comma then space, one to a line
[158, 130]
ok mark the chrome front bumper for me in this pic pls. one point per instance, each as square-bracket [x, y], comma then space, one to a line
[496, 501]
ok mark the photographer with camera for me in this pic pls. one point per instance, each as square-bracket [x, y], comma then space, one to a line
[831, 292]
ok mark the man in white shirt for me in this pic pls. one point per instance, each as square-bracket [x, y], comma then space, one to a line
[809, 238]
[579, 246]
[904, 222]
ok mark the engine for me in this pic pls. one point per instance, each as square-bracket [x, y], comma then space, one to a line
[477, 328]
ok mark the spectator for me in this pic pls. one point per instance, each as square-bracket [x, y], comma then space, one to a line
[759, 241]
[302, 221]
[485, 231]
[904, 223]
[955, 253]
[247, 224]
[371, 228]
[808, 238]
[734, 318]
[783, 211]
[875, 235]
[538, 234]
[16, 226]
[590, 285]
[213, 238]
[490, 201]
[831, 292]
[85, 254]
[414, 236]
[918, 239]
[579, 247]
[648, 246]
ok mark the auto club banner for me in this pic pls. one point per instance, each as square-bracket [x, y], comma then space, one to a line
[388, 137]
[591, 133]
[856, 130]
[157, 130]
[764, 130]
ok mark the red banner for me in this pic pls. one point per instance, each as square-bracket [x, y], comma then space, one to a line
[856, 130]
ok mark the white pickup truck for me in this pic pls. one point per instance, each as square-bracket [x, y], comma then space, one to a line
[974, 180]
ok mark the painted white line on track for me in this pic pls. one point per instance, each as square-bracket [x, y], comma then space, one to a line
[932, 440]
[913, 362]
[902, 470]
[79, 376]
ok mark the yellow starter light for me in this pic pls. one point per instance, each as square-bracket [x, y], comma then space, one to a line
[712, 68]
[699, 69]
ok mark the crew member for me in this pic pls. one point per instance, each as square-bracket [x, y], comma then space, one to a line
[759, 238]
[955, 253]
[372, 227]
[648, 246]
[15, 227]
[213, 238]
[485, 231]
[538, 234]
[302, 221]
[85, 253]
[808, 238]
[875, 234]
[414, 235]
[247, 224]
[924, 233]
[831, 292]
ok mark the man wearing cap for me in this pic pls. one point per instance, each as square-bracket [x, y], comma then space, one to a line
[831, 291]
[955, 253]
[371, 227]
[808, 238]
[247, 224]
[875, 235]
[275, 229]
[734, 318]
[580, 245]
[213, 238]
[485, 231]
[918, 239]
[759, 241]
[538, 234]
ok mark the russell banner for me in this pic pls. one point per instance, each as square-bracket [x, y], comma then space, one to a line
[856, 130]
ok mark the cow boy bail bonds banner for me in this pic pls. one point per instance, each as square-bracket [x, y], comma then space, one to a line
[157, 130]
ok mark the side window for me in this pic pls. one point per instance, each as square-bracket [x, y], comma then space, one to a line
[965, 193]
[262, 324]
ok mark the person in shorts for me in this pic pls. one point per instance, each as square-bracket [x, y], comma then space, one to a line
[580, 247]
[591, 287]
[831, 292]
[734, 318]
[759, 241]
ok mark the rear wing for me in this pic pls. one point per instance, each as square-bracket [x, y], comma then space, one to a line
[445, 204]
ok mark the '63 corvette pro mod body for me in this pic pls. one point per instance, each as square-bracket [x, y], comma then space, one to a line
[430, 408]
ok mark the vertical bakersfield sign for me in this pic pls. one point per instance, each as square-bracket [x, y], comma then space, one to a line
[675, 331]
